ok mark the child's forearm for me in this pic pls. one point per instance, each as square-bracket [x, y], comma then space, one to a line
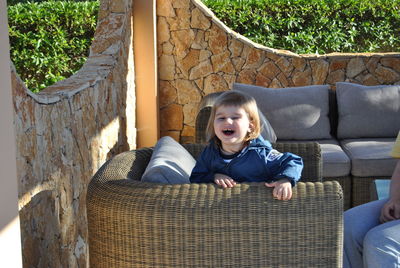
[290, 167]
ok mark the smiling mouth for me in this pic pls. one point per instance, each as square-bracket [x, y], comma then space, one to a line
[228, 132]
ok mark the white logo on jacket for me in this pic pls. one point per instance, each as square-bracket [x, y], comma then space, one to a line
[273, 155]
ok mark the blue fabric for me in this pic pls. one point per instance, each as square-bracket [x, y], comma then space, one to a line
[367, 242]
[258, 162]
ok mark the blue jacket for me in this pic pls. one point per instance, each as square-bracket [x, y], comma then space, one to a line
[258, 162]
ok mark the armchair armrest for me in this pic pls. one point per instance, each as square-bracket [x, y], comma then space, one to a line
[137, 224]
[311, 154]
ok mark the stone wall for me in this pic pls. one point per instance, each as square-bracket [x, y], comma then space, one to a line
[198, 54]
[65, 133]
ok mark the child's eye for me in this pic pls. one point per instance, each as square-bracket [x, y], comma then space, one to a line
[220, 118]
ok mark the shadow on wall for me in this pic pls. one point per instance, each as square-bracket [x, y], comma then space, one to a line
[65, 133]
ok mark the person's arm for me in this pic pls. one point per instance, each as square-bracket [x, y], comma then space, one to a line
[391, 210]
[282, 189]
[286, 171]
[395, 183]
[284, 166]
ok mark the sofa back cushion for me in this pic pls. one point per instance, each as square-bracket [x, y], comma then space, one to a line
[367, 111]
[267, 131]
[295, 113]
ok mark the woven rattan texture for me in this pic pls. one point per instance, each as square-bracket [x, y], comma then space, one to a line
[135, 224]
[310, 152]
[345, 183]
[361, 189]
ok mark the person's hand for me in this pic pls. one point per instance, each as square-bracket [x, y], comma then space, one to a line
[390, 211]
[224, 181]
[282, 189]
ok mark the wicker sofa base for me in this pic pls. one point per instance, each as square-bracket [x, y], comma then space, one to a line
[362, 189]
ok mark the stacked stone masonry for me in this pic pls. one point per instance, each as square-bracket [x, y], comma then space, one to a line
[198, 55]
[65, 133]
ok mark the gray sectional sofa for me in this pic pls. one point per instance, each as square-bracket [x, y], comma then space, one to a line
[355, 125]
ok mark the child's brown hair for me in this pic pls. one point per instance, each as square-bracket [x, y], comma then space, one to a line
[238, 99]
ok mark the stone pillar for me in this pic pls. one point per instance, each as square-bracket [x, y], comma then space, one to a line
[146, 72]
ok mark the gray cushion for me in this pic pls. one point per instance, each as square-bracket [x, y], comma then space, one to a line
[367, 111]
[170, 163]
[267, 132]
[370, 157]
[297, 113]
[335, 162]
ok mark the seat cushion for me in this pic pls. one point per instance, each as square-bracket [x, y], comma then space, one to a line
[170, 163]
[297, 113]
[370, 157]
[335, 162]
[367, 111]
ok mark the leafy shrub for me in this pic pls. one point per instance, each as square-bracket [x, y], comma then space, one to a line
[315, 26]
[14, 2]
[50, 40]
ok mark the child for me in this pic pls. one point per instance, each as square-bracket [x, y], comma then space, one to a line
[237, 153]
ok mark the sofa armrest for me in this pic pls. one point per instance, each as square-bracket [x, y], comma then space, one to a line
[311, 154]
[134, 224]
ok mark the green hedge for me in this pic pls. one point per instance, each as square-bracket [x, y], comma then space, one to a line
[315, 26]
[14, 2]
[50, 40]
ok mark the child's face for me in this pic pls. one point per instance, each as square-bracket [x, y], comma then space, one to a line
[231, 125]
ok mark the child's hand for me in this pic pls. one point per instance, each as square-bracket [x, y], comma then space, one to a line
[224, 181]
[282, 190]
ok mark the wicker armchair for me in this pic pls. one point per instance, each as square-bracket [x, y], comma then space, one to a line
[137, 224]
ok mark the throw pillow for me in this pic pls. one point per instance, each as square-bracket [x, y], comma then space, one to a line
[296, 113]
[170, 163]
[367, 111]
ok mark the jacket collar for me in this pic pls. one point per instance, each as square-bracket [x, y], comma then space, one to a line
[259, 142]
[254, 144]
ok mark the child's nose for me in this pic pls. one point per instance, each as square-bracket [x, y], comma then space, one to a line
[229, 120]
